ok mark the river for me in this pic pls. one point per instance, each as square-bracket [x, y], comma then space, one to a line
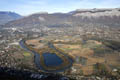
[37, 57]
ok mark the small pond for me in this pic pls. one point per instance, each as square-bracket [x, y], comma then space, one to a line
[51, 59]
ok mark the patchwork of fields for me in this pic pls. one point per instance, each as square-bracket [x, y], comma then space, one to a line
[86, 54]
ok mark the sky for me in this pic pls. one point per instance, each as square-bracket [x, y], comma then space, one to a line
[27, 7]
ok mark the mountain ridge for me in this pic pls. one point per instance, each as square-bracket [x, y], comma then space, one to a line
[100, 16]
[6, 16]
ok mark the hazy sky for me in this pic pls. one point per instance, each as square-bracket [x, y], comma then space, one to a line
[25, 7]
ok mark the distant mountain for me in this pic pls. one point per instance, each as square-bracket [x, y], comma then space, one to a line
[41, 19]
[106, 17]
[8, 16]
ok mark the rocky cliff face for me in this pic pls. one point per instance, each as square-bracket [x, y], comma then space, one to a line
[96, 12]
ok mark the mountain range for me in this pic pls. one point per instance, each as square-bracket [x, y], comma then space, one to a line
[107, 17]
[6, 16]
